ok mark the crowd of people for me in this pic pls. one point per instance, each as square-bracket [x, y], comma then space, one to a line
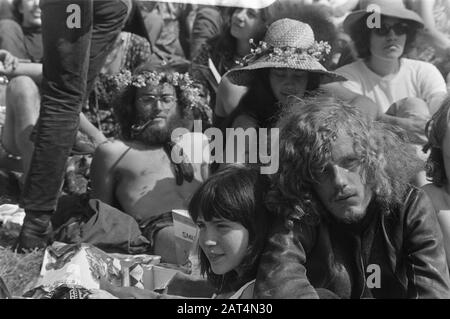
[357, 101]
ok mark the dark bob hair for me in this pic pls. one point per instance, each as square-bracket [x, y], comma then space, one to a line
[235, 193]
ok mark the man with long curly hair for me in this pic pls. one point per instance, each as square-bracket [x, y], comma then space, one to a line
[137, 173]
[350, 223]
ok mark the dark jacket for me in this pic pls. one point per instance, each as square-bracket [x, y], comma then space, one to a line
[404, 241]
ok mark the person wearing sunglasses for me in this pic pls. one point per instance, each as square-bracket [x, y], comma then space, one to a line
[407, 91]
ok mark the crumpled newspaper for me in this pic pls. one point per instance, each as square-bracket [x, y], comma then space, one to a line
[84, 266]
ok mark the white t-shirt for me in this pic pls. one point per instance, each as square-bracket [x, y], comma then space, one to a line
[414, 79]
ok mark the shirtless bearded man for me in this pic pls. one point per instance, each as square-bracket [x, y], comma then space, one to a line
[136, 173]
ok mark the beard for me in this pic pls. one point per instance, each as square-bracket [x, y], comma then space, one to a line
[159, 134]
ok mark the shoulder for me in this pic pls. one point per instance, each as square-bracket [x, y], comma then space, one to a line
[353, 68]
[110, 148]
[418, 65]
[245, 292]
[437, 196]
[417, 206]
[10, 28]
[431, 189]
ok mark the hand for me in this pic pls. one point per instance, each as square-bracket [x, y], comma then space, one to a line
[100, 294]
[8, 62]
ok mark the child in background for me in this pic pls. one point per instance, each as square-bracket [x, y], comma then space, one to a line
[438, 168]
[233, 221]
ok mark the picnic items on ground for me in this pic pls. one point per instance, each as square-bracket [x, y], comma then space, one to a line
[69, 271]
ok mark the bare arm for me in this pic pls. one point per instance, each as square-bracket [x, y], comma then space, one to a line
[33, 70]
[88, 128]
[103, 172]
[228, 97]
[11, 66]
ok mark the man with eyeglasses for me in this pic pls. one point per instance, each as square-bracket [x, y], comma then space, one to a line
[138, 173]
[407, 91]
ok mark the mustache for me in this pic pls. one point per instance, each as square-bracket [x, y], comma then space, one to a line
[339, 195]
[147, 119]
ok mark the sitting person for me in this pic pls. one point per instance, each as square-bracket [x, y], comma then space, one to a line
[284, 67]
[137, 173]
[349, 221]
[438, 168]
[23, 45]
[22, 37]
[384, 75]
[222, 52]
[233, 223]
[408, 91]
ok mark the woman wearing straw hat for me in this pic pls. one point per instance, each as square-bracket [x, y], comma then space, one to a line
[407, 90]
[285, 66]
[220, 53]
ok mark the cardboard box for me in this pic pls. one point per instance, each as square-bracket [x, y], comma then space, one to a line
[185, 235]
[156, 277]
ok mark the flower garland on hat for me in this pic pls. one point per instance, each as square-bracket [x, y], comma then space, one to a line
[284, 55]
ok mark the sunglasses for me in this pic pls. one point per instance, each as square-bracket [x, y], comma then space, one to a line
[398, 28]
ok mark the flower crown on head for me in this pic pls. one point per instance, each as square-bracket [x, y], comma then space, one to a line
[190, 94]
[286, 54]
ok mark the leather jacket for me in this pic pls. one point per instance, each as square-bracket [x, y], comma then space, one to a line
[397, 252]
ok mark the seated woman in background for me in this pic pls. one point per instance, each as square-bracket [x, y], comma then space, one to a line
[438, 168]
[222, 52]
[285, 66]
[229, 94]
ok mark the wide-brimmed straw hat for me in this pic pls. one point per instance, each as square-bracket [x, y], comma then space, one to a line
[288, 44]
[390, 8]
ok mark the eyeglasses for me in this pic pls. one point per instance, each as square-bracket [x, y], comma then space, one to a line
[152, 99]
[398, 28]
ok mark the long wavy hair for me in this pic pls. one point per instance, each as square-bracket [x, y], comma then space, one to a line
[435, 131]
[235, 193]
[124, 105]
[307, 129]
[223, 45]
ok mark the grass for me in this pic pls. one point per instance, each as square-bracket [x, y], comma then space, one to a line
[20, 271]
